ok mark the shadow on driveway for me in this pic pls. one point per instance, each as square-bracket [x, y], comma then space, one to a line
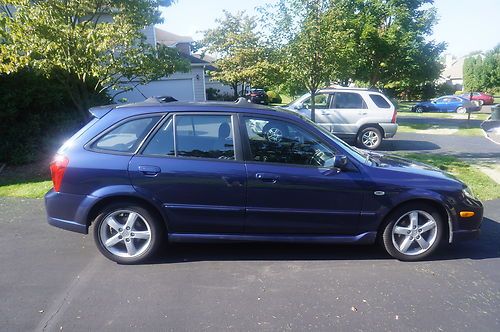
[486, 247]
[407, 145]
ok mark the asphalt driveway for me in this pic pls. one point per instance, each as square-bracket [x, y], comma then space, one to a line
[56, 280]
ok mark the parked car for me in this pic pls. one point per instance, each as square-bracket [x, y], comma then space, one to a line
[143, 174]
[447, 104]
[258, 96]
[480, 97]
[352, 113]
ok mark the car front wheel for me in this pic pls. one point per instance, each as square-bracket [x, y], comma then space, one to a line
[413, 232]
[369, 138]
[127, 234]
[419, 109]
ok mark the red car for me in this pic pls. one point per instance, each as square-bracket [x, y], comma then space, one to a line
[481, 97]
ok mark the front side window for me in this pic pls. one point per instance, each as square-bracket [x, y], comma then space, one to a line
[321, 101]
[348, 100]
[126, 137]
[276, 141]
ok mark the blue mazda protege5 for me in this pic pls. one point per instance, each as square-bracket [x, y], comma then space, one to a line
[151, 172]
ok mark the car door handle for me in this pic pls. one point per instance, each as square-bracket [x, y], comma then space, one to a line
[149, 170]
[267, 177]
[362, 113]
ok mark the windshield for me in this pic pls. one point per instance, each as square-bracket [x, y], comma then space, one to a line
[359, 155]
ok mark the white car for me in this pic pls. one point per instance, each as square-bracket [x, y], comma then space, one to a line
[363, 114]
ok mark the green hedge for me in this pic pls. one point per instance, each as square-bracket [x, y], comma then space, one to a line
[274, 97]
[35, 116]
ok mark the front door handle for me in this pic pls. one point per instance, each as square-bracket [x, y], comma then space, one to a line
[149, 170]
[267, 177]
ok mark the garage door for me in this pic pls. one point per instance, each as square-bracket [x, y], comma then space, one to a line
[180, 89]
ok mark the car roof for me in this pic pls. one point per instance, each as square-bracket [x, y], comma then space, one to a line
[149, 106]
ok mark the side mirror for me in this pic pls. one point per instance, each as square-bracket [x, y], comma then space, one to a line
[338, 162]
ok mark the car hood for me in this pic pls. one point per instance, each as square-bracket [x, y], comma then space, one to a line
[412, 167]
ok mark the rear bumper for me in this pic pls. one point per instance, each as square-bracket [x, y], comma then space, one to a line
[390, 129]
[68, 211]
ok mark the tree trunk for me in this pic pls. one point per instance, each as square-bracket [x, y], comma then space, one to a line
[313, 105]
[235, 90]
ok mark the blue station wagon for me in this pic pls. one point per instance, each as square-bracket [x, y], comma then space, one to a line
[142, 174]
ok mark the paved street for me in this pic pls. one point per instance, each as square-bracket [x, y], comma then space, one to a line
[52, 279]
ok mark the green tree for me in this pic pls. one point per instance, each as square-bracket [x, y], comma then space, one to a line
[313, 41]
[242, 58]
[482, 73]
[392, 45]
[90, 46]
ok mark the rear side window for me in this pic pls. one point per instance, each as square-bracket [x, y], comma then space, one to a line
[348, 100]
[127, 136]
[201, 136]
[380, 101]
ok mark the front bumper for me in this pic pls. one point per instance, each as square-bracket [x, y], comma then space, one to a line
[466, 228]
[68, 211]
[390, 129]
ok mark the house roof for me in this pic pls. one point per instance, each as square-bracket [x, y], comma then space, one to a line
[170, 39]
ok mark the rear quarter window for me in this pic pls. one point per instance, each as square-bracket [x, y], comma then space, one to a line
[380, 101]
[125, 137]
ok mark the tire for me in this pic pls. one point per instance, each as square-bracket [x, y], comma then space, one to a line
[419, 109]
[127, 246]
[369, 138]
[413, 242]
[461, 110]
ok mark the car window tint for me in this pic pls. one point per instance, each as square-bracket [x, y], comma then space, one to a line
[380, 101]
[204, 136]
[348, 100]
[321, 101]
[275, 141]
[127, 136]
[162, 143]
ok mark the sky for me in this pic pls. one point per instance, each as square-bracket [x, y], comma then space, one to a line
[465, 25]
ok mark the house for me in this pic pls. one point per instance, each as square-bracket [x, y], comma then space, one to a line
[189, 86]
[453, 73]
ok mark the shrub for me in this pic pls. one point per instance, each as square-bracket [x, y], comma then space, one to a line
[274, 97]
[35, 116]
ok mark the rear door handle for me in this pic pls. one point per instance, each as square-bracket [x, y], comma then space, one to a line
[149, 170]
[267, 177]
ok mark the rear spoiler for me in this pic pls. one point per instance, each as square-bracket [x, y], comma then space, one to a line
[100, 111]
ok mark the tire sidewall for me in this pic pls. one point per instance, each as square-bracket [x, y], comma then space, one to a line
[386, 237]
[156, 233]
[360, 138]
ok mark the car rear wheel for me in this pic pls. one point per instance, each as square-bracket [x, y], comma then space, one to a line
[413, 232]
[419, 109]
[127, 233]
[461, 110]
[369, 138]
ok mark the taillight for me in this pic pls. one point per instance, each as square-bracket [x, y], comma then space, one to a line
[57, 169]
[394, 115]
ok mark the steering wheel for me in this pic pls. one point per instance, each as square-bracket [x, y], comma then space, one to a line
[316, 158]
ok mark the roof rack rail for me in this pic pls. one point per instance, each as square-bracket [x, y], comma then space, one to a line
[160, 99]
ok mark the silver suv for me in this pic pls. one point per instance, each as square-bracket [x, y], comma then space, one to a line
[365, 115]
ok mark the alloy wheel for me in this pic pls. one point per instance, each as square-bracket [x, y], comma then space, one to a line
[125, 233]
[369, 138]
[414, 232]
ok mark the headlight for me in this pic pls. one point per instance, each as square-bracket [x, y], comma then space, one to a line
[468, 193]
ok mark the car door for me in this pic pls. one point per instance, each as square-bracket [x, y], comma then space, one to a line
[192, 167]
[290, 188]
[349, 107]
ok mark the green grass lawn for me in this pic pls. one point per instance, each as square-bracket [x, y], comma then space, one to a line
[419, 127]
[475, 116]
[35, 189]
[481, 184]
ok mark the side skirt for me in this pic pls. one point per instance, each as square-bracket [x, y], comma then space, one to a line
[364, 238]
